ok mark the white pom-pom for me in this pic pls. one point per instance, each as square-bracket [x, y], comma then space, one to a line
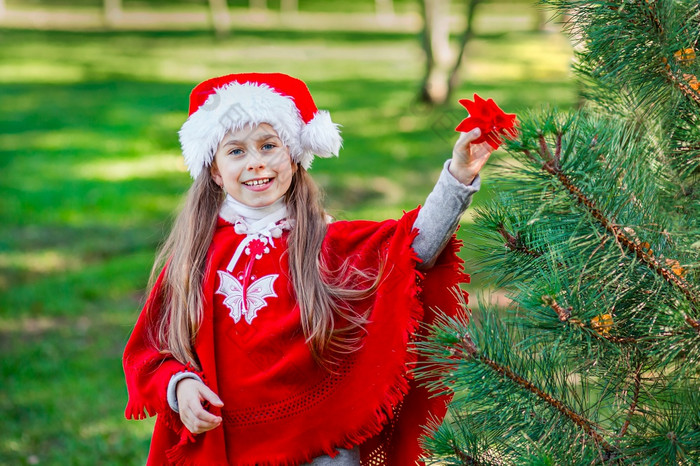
[320, 136]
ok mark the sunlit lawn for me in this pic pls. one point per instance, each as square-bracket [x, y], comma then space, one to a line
[90, 174]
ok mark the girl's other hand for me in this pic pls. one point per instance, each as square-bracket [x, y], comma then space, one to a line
[191, 393]
[468, 158]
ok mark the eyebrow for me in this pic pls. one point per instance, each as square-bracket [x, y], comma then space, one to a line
[262, 137]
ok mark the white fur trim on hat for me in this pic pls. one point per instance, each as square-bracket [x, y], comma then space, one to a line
[237, 105]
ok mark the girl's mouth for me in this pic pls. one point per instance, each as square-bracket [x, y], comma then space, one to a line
[258, 184]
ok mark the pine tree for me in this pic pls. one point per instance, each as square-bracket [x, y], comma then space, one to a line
[595, 237]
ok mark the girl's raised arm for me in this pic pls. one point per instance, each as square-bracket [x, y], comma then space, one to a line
[452, 194]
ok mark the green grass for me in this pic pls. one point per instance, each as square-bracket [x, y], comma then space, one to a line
[91, 173]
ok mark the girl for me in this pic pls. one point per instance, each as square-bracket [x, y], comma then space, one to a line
[271, 335]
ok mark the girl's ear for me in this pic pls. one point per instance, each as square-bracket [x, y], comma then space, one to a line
[215, 175]
[295, 165]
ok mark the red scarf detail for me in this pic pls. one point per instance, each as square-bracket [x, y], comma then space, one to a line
[280, 408]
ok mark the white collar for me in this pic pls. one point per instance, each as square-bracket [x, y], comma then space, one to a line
[252, 220]
[232, 210]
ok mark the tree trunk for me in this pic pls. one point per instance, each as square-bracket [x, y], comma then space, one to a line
[220, 18]
[2, 8]
[442, 68]
[289, 6]
[453, 82]
[258, 4]
[384, 8]
[436, 44]
[541, 18]
[112, 11]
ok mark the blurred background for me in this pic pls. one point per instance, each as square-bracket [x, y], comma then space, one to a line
[92, 94]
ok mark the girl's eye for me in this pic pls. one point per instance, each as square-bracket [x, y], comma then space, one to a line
[268, 146]
[236, 152]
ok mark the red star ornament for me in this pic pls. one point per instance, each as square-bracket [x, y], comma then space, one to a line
[490, 119]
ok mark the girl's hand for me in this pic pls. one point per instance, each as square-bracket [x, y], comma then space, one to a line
[468, 158]
[190, 395]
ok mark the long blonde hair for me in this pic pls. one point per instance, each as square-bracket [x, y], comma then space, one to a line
[324, 296]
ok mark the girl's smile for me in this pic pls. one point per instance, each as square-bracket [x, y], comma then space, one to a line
[253, 165]
[258, 185]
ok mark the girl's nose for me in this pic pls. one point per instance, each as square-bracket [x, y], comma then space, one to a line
[255, 160]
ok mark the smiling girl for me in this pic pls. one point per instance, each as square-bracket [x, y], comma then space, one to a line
[271, 335]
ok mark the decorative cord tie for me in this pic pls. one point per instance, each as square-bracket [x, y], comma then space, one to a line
[266, 235]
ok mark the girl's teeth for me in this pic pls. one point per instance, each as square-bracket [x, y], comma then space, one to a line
[257, 182]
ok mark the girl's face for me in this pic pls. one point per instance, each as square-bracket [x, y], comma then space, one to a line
[253, 166]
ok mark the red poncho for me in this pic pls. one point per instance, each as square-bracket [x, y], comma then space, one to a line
[280, 407]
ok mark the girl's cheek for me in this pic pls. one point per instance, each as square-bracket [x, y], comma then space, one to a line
[232, 166]
[278, 159]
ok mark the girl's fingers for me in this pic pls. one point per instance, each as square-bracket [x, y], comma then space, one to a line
[196, 418]
[481, 150]
[191, 394]
[203, 415]
[199, 427]
[462, 147]
[199, 420]
[470, 136]
[206, 393]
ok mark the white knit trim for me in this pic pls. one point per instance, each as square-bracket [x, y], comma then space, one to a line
[237, 105]
[232, 210]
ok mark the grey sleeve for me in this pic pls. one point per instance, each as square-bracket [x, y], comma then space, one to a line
[344, 458]
[172, 387]
[439, 217]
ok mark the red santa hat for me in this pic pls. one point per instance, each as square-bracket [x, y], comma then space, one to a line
[228, 103]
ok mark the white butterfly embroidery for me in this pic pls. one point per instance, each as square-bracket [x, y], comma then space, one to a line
[243, 301]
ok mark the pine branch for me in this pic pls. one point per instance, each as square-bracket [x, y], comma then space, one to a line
[639, 58]
[458, 447]
[514, 243]
[552, 166]
[693, 323]
[635, 399]
[562, 313]
[463, 457]
[685, 85]
[600, 331]
[470, 350]
[688, 84]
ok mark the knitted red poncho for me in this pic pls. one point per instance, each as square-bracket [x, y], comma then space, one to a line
[280, 407]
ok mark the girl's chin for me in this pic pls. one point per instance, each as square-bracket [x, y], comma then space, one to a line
[262, 201]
